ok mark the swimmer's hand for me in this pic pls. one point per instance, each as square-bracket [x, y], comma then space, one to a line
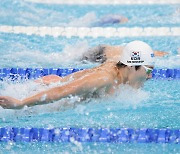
[10, 103]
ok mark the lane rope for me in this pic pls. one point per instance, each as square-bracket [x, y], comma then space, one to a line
[34, 73]
[92, 32]
[117, 135]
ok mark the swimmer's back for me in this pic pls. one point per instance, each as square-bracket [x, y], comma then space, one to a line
[96, 54]
[103, 53]
[104, 69]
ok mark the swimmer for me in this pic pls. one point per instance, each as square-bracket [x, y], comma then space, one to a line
[112, 19]
[134, 67]
[99, 54]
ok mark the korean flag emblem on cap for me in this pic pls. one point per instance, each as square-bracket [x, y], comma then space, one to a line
[135, 55]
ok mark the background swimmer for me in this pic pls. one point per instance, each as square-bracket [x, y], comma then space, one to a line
[112, 19]
[134, 68]
[92, 20]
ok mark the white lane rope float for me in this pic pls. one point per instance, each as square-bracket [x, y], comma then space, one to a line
[92, 32]
[105, 2]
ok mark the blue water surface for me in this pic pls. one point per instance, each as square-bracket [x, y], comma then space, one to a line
[39, 14]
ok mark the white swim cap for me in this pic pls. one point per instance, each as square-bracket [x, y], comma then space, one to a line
[137, 53]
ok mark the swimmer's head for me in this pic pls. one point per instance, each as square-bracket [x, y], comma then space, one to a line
[137, 53]
[137, 57]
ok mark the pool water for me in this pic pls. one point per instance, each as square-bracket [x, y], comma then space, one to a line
[34, 14]
[156, 105]
[89, 148]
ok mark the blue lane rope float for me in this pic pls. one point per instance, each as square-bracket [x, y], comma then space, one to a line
[29, 73]
[116, 135]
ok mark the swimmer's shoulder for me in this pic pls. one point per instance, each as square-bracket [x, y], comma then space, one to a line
[107, 67]
[114, 47]
[113, 53]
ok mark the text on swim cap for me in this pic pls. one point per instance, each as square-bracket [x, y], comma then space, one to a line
[140, 61]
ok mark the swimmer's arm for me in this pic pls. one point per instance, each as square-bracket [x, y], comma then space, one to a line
[88, 83]
[156, 52]
[118, 49]
[48, 79]
[160, 53]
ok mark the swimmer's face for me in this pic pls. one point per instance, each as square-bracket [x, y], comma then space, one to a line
[148, 70]
[141, 75]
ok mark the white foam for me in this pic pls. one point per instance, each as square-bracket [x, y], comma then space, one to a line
[20, 90]
[69, 56]
[86, 20]
[43, 98]
[75, 51]
[168, 62]
[127, 96]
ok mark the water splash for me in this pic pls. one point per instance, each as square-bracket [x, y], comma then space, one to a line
[85, 21]
[128, 97]
[168, 62]
[23, 90]
[69, 56]
[74, 52]
[30, 88]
